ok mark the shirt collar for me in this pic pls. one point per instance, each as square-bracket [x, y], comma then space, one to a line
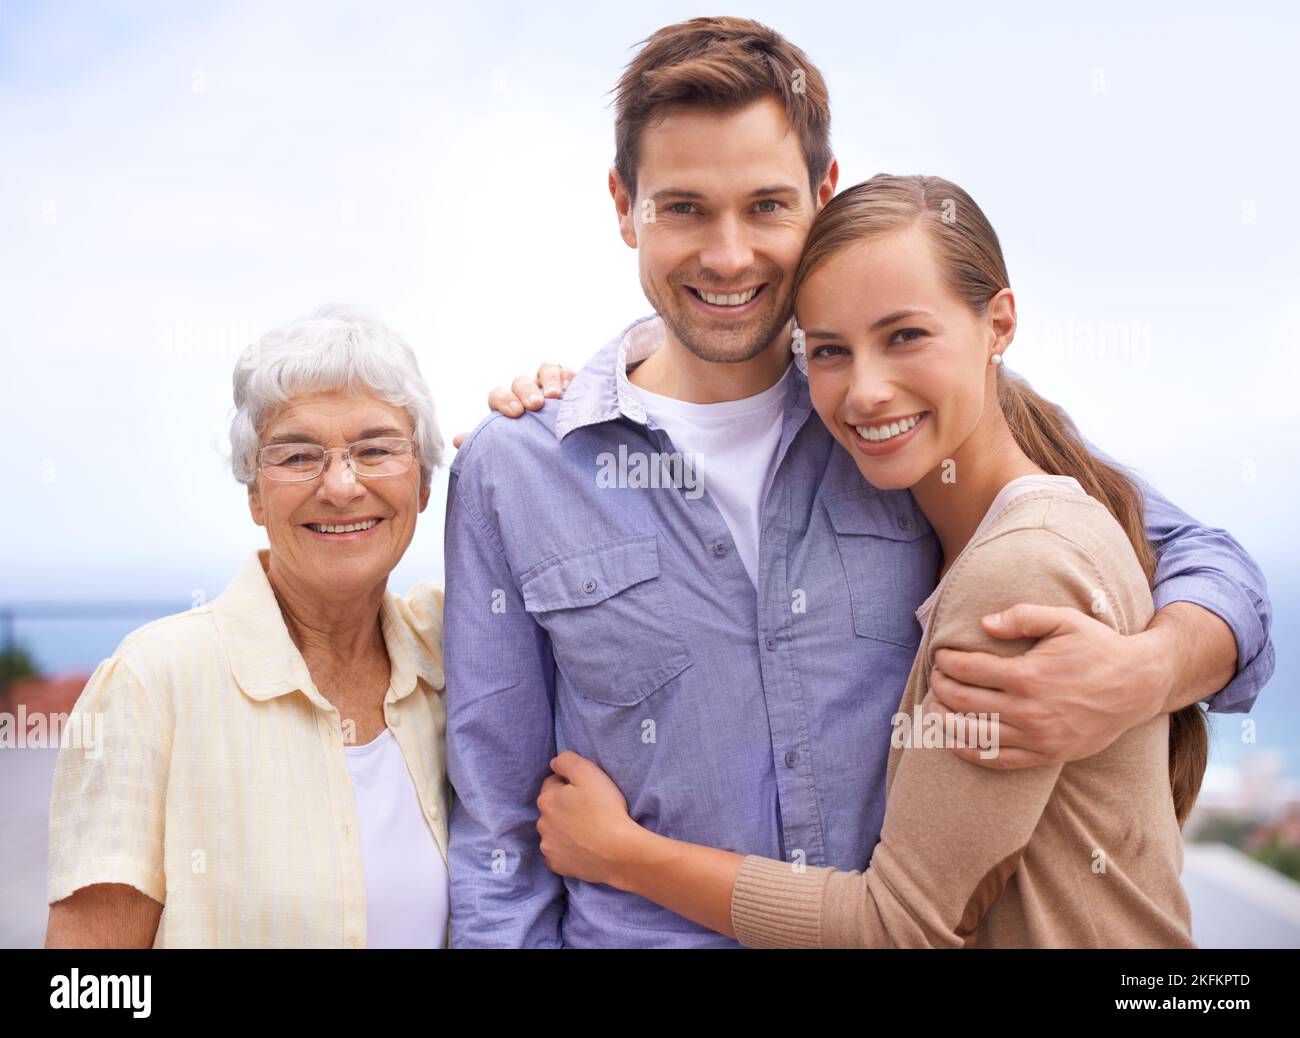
[266, 663]
[601, 392]
[412, 629]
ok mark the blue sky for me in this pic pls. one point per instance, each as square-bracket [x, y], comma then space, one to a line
[178, 178]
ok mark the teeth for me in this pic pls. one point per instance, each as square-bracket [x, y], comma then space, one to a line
[728, 300]
[875, 434]
[349, 528]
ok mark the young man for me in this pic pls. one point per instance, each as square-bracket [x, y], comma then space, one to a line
[676, 572]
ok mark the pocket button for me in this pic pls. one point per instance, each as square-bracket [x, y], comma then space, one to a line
[589, 585]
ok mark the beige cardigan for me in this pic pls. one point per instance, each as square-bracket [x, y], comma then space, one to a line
[1085, 854]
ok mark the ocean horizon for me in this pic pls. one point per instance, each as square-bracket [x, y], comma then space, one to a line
[62, 645]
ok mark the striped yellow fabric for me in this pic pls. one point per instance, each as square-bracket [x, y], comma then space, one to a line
[221, 787]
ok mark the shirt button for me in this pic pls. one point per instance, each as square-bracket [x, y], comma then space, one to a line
[589, 585]
[396, 720]
[432, 812]
[791, 759]
[905, 522]
[771, 643]
[720, 549]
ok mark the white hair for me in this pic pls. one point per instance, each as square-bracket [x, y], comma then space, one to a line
[337, 348]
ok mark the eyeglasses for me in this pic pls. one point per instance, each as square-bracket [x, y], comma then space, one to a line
[373, 458]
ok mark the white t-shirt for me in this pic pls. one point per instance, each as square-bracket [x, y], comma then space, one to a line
[406, 878]
[1013, 490]
[732, 450]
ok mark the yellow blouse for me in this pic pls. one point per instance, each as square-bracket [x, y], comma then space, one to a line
[220, 787]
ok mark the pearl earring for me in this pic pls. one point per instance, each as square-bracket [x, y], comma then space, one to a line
[996, 359]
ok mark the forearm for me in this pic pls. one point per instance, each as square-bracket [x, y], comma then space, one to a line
[1206, 571]
[686, 878]
[502, 895]
[103, 915]
[498, 745]
[1190, 653]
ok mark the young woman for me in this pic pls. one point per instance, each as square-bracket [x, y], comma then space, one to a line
[904, 312]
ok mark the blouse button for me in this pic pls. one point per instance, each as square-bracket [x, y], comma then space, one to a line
[396, 720]
[720, 549]
[589, 585]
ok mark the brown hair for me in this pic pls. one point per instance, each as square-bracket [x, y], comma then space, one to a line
[724, 64]
[970, 256]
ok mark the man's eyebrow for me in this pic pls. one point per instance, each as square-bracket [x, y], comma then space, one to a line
[676, 192]
[761, 192]
[888, 319]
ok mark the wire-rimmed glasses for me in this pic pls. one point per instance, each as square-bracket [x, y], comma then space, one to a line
[372, 458]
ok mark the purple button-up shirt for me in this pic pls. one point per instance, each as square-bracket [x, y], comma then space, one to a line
[618, 621]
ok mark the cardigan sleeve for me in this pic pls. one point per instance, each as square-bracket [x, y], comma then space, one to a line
[954, 831]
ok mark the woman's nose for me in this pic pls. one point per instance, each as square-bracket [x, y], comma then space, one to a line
[339, 482]
[870, 387]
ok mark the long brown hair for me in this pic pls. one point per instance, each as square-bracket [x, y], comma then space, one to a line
[968, 252]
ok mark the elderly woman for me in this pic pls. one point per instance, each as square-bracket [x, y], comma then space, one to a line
[271, 769]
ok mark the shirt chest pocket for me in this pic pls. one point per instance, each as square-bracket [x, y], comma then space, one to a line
[613, 631]
[890, 559]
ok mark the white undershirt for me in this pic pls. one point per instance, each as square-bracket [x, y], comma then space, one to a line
[406, 878]
[1013, 490]
[732, 447]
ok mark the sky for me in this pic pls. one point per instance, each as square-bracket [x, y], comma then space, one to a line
[177, 179]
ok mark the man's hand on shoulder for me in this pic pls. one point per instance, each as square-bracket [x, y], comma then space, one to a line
[526, 394]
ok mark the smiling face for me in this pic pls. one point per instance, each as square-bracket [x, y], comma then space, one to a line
[722, 210]
[898, 365]
[302, 519]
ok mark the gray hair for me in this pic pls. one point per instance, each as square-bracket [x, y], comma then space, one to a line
[337, 348]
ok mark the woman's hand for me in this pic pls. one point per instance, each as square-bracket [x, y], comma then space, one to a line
[587, 834]
[526, 394]
[585, 828]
